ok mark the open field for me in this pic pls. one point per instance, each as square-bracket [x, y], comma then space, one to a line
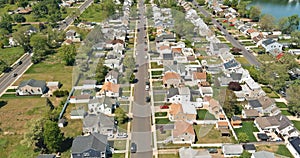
[209, 134]
[248, 128]
[11, 55]
[52, 69]
[92, 14]
[277, 149]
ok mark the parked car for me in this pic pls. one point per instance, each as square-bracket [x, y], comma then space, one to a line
[148, 99]
[133, 148]
[147, 87]
[212, 150]
[164, 107]
[20, 62]
[122, 135]
[15, 75]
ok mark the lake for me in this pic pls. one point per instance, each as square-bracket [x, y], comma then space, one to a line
[278, 8]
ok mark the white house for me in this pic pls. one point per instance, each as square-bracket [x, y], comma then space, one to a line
[80, 99]
[232, 150]
[112, 76]
[101, 105]
[294, 146]
[272, 46]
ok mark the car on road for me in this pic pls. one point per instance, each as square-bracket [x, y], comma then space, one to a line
[146, 49]
[212, 150]
[138, 30]
[15, 75]
[146, 57]
[20, 62]
[148, 99]
[164, 107]
[133, 148]
[122, 135]
[147, 87]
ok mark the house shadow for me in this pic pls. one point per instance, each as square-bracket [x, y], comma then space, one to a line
[2, 103]
[67, 144]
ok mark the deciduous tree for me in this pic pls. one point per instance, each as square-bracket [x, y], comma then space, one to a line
[120, 115]
[53, 137]
[295, 35]
[255, 12]
[243, 137]
[293, 95]
[68, 53]
[267, 22]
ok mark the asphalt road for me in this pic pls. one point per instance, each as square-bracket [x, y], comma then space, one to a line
[69, 19]
[141, 122]
[8, 79]
[249, 56]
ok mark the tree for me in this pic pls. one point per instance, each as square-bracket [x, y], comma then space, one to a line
[267, 22]
[53, 137]
[201, 2]
[23, 3]
[255, 12]
[243, 137]
[68, 53]
[242, 8]
[19, 18]
[34, 134]
[235, 86]
[22, 38]
[129, 62]
[295, 37]
[3, 65]
[101, 71]
[283, 24]
[227, 2]
[120, 115]
[293, 95]
[207, 20]
[246, 154]
[289, 24]
[6, 25]
[40, 47]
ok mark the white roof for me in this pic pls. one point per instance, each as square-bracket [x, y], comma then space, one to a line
[52, 84]
[252, 84]
[188, 108]
[233, 149]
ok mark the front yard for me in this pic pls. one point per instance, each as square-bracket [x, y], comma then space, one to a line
[248, 128]
[162, 121]
[296, 124]
[210, 134]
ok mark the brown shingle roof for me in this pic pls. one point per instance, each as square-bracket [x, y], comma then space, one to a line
[222, 124]
[182, 127]
[199, 75]
[171, 75]
[163, 47]
[109, 86]
[251, 30]
[175, 109]
[251, 113]
[176, 50]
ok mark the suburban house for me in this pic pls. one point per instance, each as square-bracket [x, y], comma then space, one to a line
[32, 87]
[89, 84]
[272, 46]
[264, 105]
[183, 111]
[183, 133]
[267, 123]
[84, 98]
[100, 123]
[78, 113]
[232, 150]
[189, 152]
[101, 105]
[199, 77]
[171, 79]
[206, 91]
[250, 148]
[262, 154]
[110, 89]
[250, 113]
[53, 86]
[73, 36]
[94, 145]
[112, 76]
[218, 48]
[236, 122]
[294, 146]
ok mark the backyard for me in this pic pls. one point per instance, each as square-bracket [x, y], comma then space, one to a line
[248, 128]
[277, 149]
[297, 124]
[92, 14]
[210, 134]
[203, 114]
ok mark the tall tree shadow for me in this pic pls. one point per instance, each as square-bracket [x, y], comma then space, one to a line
[2, 103]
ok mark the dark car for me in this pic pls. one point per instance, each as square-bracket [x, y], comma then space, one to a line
[212, 150]
[138, 30]
[148, 99]
[20, 62]
[15, 75]
[133, 148]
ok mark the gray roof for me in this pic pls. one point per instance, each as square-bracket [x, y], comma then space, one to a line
[296, 144]
[103, 100]
[249, 147]
[236, 118]
[263, 154]
[254, 103]
[284, 121]
[268, 42]
[94, 141]
[172, 92]
[233, 149]
[236, 76]
[101, 120]
[184, 91]
[168, 56]
[112, 73]
[78, 112]
[192, 153]
[32, 83]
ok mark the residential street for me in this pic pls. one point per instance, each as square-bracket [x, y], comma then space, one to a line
[141, 124]
[250, 57]
[8, 79]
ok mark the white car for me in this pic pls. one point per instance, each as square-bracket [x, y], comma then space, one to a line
[122, 135]
[146, 57]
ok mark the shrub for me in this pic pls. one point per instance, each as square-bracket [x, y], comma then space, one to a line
[60, 93]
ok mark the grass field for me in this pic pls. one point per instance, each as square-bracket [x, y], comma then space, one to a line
[203, 114]
[209, 134]
[160, 114]
[286, 113]
[162, 121]
[154, 65]
[297, 124]
[281, 105]
[118, 155]
[11, 55]
[120, 144]
[168, 155]
[277, 149]
[51, 69]
[243, 61]
[248, 128]
[94, 14]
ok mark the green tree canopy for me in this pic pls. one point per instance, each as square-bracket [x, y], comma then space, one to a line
[68, 53]
[293, 95]
[120, 115]
[267, 22]
[295, 35]
[53, 137]
[243, 137]
[255, 12]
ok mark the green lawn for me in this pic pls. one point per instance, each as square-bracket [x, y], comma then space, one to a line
[277, 149]
[51, 69]
[203, 114]
[296, 124]
[118, 155]
[282, 150]
[162, 121]
[157, 83]
[154, 65]
[11, 55]
[94, 14]
[273, 95]
[159, 97]
[154, 73]
[286, 113]
[243, 61]
[281, 105]
[160, 114]
[210, 134]
[168, 155]
[120, 144]
[248, 128]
